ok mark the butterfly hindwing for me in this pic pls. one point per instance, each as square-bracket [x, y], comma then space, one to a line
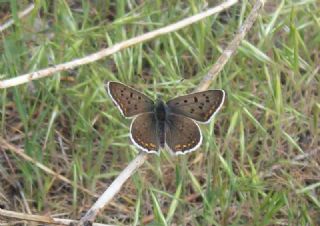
[143, 132]
[182, 134]
[200, 106]
[129, 101]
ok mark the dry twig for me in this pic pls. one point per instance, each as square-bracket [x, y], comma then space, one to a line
[114, 188]
[231, 48]
[113, 49]
[20, 15]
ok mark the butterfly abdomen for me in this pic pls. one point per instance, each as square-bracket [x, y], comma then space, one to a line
[161, 114]
[161, 134]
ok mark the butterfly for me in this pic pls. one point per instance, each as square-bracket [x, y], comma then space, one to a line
[171, 124]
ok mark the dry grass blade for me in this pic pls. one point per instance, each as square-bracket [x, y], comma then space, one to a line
[20, 152]
[40, 219]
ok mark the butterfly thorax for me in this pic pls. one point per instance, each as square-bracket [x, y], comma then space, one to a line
[160, 110]
[161, 115]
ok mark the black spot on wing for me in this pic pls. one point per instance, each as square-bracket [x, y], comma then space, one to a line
[195, 99]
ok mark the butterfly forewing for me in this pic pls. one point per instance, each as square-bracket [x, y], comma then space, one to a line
[143, 132]
[129, 101]
[182, 134]
[200, 106]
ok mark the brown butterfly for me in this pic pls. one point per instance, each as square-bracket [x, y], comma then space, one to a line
[171, 124]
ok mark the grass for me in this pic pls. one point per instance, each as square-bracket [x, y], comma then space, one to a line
[259, 162]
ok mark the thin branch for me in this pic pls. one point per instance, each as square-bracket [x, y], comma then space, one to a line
[20, 152]
[231, 48]
[21, 14]
[115, 48]
[114, 188]
[41, 219]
